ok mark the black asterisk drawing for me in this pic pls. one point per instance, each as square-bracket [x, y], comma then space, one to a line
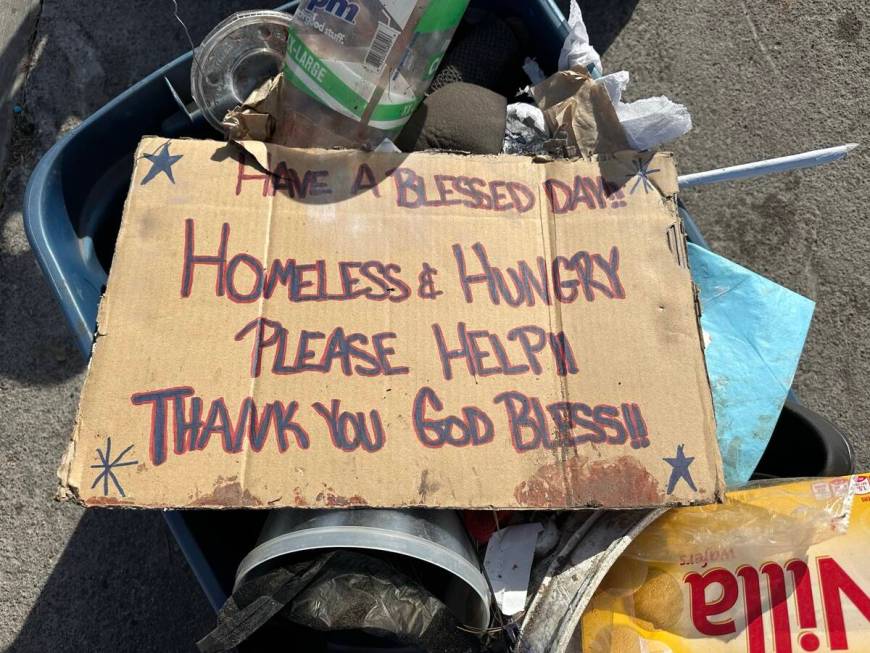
[107, 466]
[642, 172]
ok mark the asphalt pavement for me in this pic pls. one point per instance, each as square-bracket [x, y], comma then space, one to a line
[762, 78]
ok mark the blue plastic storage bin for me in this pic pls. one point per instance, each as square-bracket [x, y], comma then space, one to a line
[74, 201]
[73, 206]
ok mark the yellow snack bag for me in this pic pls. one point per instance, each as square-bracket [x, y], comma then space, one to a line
[777, 568]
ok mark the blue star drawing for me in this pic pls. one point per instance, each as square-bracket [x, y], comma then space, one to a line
[107, 466]
[161, 162]
[680, 463]
[642, 172]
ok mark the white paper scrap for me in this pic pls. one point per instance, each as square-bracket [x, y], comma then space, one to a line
[508, 564]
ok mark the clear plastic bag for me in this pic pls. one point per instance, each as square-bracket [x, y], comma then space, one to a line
[361, 592]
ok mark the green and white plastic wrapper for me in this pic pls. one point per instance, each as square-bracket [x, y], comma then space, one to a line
[357, 70]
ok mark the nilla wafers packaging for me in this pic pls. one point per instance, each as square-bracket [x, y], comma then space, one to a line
[779, 567]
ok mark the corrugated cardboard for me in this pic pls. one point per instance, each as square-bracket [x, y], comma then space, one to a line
[341, 269]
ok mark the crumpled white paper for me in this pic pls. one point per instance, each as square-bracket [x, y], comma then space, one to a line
[508, 565]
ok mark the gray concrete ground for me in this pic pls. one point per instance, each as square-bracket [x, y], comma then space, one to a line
[761, 78]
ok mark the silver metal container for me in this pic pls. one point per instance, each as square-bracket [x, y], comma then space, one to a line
[433, 537]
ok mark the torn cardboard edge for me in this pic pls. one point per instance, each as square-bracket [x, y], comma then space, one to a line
[624, 160]
[262, 152]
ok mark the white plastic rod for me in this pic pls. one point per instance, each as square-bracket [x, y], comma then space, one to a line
[767, 167]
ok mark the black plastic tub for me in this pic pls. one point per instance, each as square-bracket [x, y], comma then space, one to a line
[805, 444]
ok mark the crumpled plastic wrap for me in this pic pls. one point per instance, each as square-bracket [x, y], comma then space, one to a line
[770, 519]
[357, 591]
[343, 592]
[360, 592]
[649, 122]
[576, 50]
[525, 129]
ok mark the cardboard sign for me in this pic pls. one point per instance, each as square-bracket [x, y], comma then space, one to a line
[352, 328]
